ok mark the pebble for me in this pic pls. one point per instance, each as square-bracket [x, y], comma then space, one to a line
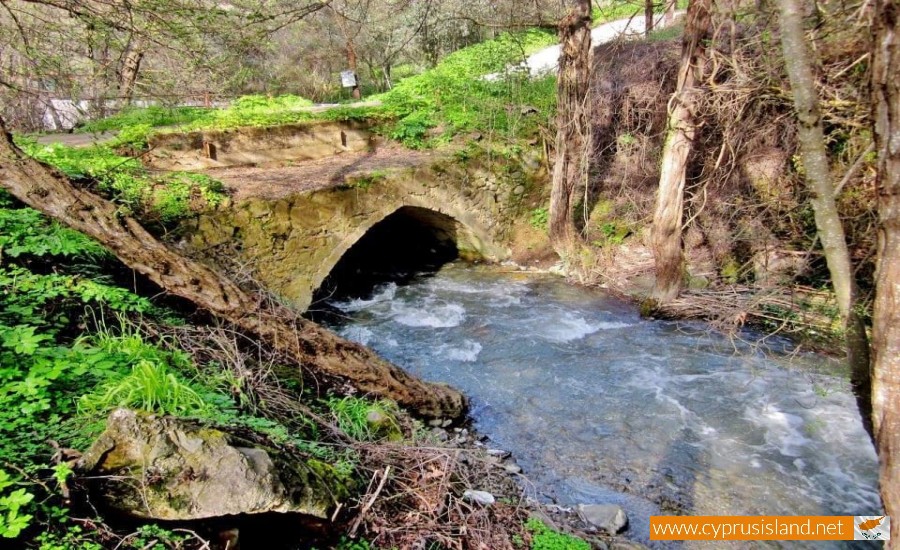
[512, 468]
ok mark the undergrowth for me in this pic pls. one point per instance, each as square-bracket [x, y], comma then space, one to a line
[545, 538]
[160, 199]
[73, 347]
[249, 110]
[455, 97]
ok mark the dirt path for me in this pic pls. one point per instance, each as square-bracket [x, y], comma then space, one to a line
[77, 140]
[277, 181]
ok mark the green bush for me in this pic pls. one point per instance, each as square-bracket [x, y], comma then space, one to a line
[26, 232]
[54, 301]
[539, 218]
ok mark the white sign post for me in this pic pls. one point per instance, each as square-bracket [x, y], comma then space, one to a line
[349, 80]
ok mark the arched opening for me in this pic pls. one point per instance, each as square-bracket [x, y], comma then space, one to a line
[406, 243]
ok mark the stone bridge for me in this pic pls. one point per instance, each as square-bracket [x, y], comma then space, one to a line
[288, 226]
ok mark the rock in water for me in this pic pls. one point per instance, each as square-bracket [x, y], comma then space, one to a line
[607, 517]
[169, 468]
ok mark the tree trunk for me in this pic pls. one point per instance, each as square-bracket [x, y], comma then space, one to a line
[354, 65]
[886, 327]
[671, 7]
[573, 124]
[128, 73]
[648, 17]
[667, 218]
[814, 155]
[310, 345]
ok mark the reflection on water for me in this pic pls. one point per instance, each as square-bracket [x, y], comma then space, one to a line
[599, 405]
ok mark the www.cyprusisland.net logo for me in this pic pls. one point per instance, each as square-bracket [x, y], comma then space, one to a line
[871, 527]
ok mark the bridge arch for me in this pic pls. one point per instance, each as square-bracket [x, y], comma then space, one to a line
[409, 240]
[292, 244]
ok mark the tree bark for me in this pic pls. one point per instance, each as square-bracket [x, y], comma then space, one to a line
[310, 345]
[573, 124]
[671, 7]
[131, 66]
[885, 90]
[829, 227]
[354, 66]
[667, 218]
[648, 17]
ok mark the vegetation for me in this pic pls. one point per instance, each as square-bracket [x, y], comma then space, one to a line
[365, 420]
[77, 339]
[71, 349]
[455, 97]
[421, 110]
[158, 199]
[545, 538]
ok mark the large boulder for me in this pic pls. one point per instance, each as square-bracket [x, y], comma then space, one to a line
[170, 468]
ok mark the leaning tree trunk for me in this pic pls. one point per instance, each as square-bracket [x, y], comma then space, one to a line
[131, 66]
[667, 218]
[814, 155]
[573, 124]
[310, 345]
[886, 326]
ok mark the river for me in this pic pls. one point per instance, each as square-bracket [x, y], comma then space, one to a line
[600, 405]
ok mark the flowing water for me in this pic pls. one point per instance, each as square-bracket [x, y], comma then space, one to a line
[599, 405]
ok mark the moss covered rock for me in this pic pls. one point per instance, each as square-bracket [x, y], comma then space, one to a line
[169, 468]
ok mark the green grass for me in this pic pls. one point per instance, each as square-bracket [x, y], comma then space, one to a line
[353, 416]
[153, 117]
[150, 387]
[250, 110]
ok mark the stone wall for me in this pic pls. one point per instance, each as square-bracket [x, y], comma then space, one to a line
[205, 149]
